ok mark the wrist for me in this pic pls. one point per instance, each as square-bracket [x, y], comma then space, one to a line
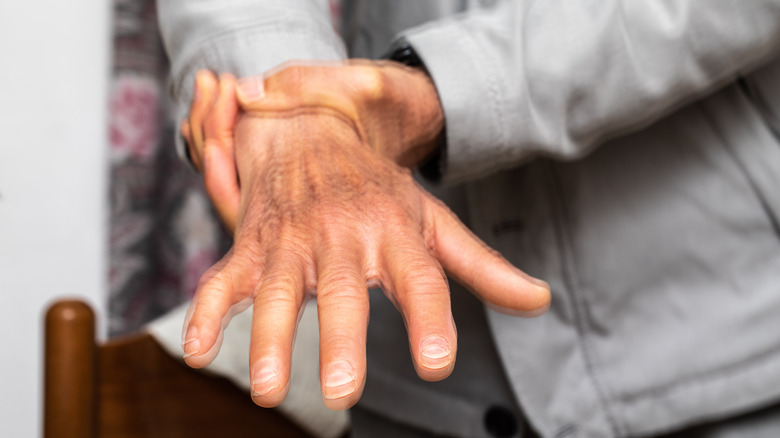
[394, 108]
[415, 103]
[433, 144]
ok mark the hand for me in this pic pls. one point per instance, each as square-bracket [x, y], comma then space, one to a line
[397, 107]
[325, 209]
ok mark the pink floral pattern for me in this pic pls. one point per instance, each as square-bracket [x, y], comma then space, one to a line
[335, 14]
[134, 130]
[164, 233]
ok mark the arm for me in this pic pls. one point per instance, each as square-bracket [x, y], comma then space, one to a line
[324, 208]
[556, 77]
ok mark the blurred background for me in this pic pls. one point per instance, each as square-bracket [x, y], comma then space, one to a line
[93, 201]
[53, 169]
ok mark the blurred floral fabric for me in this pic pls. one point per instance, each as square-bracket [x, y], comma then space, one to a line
[163, 232]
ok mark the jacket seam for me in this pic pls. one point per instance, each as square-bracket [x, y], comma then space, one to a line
[745, 173]
[581, 321]
[754, 97]
[701, 379]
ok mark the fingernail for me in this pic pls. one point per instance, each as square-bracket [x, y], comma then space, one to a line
[265, 379]
[531, 279]
[541, 283]
[191, 344]
[339, 380]
[435, 353]
[251, 88]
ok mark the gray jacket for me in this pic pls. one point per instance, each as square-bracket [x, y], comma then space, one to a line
[626, 151]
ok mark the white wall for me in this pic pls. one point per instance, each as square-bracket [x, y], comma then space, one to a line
[54, 65]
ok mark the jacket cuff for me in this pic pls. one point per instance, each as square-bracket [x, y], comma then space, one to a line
[469, 90]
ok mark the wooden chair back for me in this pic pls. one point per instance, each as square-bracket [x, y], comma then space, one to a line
[132, 388]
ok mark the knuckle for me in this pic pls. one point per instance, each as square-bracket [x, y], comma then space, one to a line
[396, 222]
[294, 70]
[292, 75]
[340, 341]
[292, 249]
[248, 248]
[419, 281]
[343, 282]
[208, 275]
[277, 296]
[371, 82]
[340, 273]
[329, 223]
[217, 289]
[336, 233]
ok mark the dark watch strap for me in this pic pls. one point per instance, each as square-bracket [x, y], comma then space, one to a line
[405, 54]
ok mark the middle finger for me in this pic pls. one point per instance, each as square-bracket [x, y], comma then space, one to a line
[342, 305]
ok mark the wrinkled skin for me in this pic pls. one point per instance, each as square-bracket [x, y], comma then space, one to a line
[309, 167]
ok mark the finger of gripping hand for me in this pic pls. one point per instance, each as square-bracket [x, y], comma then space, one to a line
[220, 120]
[342, 304]
[278, 301]
[222, 292]
[204, 95]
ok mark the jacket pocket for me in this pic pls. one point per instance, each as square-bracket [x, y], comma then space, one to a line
[762, 90]
[747, 121]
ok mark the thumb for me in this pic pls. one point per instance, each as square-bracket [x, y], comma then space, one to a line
[483, 270]
[221, 182]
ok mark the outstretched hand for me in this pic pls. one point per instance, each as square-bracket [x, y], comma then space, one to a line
[312, 175]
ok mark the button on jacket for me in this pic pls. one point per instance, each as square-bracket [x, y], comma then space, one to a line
[626, 151]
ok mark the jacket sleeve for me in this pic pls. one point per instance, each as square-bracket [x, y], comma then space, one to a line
[243, 37]
[556, 77]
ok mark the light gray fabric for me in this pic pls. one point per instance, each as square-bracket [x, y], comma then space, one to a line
[370, 26]
[625, 151]
[764, 423]
[557, 77]
[664, 262]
